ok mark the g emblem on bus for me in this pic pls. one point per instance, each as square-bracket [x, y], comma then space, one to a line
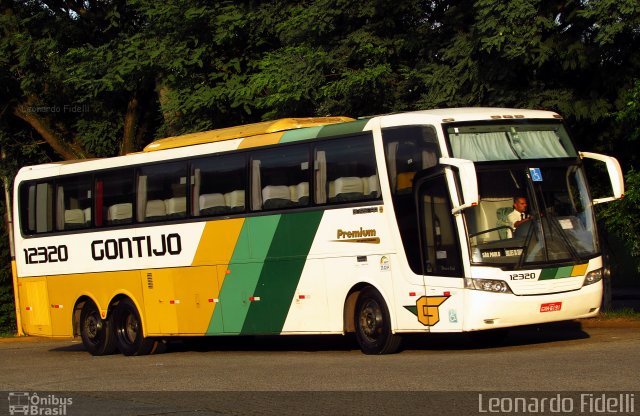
[428, 309]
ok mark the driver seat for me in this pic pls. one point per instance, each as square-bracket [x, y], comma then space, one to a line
[502, 215]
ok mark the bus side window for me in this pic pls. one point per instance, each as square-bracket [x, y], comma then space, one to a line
[345, 171]
[408, 150]
[36, 207]
[74, 200]
[162, 191]
[114, 198]
[280, 178]
[438, 231]
[218, 185]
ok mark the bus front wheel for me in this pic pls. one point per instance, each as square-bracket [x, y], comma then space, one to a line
[96, 333]
[373, 324]
[127, 326]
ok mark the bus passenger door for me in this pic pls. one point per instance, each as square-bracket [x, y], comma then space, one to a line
[440, 254]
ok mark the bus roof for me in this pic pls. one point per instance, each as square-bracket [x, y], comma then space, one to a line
[243, 131]
[272, 132]
[490, 113]
[463, 114]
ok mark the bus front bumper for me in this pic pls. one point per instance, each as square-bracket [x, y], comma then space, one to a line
[486, 310]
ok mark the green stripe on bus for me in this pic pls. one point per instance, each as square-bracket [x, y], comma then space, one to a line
[245, 270]
[547, 274]
[323, 131]
[301, 134]
[342, 128]
[281, 272]
[412, 308]
[556, 273]
[564, 272]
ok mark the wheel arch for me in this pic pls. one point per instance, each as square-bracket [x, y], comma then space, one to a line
[84, 298]
[348, 315]
[124, 295]
[77, 310]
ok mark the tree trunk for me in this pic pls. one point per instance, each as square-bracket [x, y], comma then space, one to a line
[171, 118]
[68, 151]
[130, 124]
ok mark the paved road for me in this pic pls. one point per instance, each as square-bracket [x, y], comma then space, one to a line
[312, 373]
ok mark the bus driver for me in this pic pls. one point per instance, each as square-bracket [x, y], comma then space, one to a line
[519, 215]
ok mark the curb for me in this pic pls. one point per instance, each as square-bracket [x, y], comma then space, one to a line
[610, 323]
[29, 338]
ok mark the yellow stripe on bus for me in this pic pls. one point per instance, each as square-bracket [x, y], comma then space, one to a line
[579, 269]
[217, 242]
[261, 140]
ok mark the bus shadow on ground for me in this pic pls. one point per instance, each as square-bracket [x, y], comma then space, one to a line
[510, 337]
[518, 336]
[525, 335]
[303, 343]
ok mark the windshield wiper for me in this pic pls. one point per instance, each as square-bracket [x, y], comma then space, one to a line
[554, 224]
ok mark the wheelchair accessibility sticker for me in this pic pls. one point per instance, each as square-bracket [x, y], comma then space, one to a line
[536, 175]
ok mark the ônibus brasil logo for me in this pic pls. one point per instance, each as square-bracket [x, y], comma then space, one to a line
[23, 403]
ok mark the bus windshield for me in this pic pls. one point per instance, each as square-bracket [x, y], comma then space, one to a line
[557, 224]
[512, 141]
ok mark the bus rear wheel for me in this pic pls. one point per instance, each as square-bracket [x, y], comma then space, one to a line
[127, 327]
[96, 333]
[373, 324]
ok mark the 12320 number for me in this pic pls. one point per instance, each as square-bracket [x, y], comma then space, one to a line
[48, 254]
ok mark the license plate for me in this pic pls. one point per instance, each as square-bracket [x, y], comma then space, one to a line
[551, 307]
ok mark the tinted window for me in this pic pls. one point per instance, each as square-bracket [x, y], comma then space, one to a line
[162, 191]
[346, 171]
[440, 250]
[73, 203]
[36, 207]
[114, 198]
[280, 178]
[408, 150]
[219, 184]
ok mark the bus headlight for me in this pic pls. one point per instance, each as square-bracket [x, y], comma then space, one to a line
[487, 285]
[593, 277]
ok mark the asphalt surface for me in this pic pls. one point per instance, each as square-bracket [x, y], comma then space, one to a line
[327, 375]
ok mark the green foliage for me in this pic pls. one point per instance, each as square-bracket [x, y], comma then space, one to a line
[629, 114]
[99, 135]
[623, 217]
[7, 305]
[293, 90]
[626, 313]
[613, 19]
[7, 310]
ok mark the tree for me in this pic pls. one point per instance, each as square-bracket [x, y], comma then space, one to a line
[623, 217]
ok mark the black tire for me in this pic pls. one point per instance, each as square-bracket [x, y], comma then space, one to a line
[96, 333]
[373, 324]
[127, 327]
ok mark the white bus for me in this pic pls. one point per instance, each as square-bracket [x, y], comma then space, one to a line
[380, 226]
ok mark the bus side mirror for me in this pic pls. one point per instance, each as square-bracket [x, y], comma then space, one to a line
[468, 182]
[615, 175]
